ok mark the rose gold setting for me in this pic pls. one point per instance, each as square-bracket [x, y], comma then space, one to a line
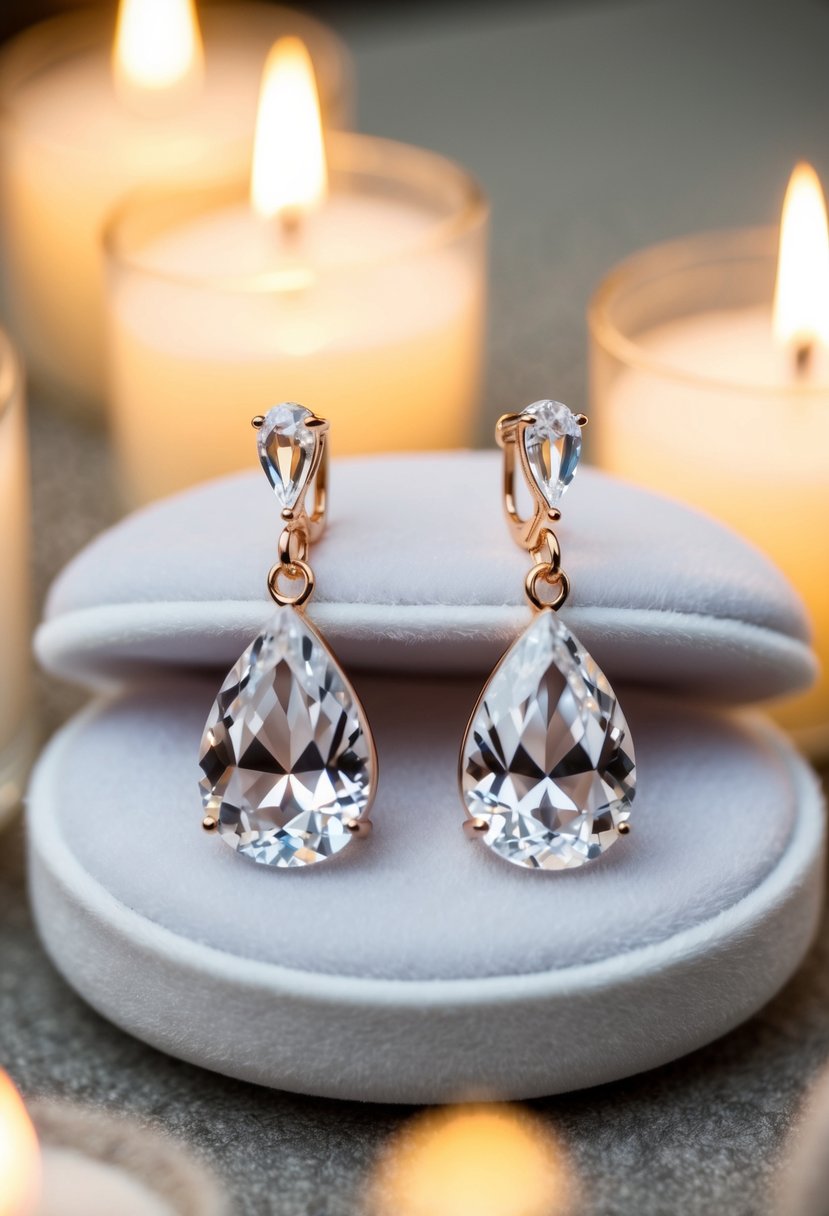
[301, 529]
[536, 535]
[474, 827]
[360, 827]
[286, 664]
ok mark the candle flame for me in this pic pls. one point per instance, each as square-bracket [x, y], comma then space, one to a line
[289, 172]
[490, 1160]
[158, 45]
[19, 1155]
[801, 297]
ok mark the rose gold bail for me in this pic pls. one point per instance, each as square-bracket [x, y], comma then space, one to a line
[510, 430]
[534, 533]
[301, 529]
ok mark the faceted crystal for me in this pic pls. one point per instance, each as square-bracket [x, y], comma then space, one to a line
[553, 447]
[547, 761]
[286, 450]
[286, 752]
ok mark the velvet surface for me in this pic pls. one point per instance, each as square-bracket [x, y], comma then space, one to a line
[402, 961]
[417, 571]
[713, 812]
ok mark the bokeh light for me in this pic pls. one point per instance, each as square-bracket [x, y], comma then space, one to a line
[475, 1160]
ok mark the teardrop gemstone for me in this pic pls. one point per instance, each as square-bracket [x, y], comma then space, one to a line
[287, 755]
[547, 761]
[553, 446]
[286, 450]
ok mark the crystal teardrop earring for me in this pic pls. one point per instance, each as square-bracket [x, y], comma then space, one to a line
[289, 763]
[547, 768]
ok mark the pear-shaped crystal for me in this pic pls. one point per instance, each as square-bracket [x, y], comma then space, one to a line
[547, 761]
[553, 446]
[286, 450]
[286, 753]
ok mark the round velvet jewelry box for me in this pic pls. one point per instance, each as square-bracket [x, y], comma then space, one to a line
[417, 966]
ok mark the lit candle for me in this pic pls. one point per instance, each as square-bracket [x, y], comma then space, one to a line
[19, 1158]
[353, 283]
[710, 382]
[487, 1159]
[15, 621]
[93, 1165]
[87, 120]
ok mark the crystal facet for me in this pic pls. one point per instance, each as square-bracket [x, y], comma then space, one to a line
[286, 753]
[553, 446]
[286, 450]
[547, 761]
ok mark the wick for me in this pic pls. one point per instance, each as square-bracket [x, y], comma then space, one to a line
[290, 224]
[803, 354]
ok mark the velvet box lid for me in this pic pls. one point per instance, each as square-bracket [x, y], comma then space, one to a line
[417, 572]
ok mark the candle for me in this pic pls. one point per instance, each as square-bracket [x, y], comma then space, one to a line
[802, 1183]
[710, 382]
[350, 278]
[94, 1164]
[87, 121]
[19, 1166]
[15, 624]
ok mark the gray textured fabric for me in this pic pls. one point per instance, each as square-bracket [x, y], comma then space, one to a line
[595, 129]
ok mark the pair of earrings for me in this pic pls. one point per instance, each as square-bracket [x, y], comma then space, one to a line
[547, 769]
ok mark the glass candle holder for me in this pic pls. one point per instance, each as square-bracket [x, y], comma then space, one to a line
[101, 1162]
[691, 396]
[372, 314]
[16, 732]
[73, 142]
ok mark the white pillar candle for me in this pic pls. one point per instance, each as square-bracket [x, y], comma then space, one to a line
[15, 619]
[366, 305]
[694, 396]
[83, 126]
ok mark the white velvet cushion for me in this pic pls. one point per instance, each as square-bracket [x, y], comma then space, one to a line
[417, 571]
[410, 961]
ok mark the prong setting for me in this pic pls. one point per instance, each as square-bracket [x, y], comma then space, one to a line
[359, 827]
[475, 827]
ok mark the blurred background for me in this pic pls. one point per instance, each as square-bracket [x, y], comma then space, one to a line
[595, 129]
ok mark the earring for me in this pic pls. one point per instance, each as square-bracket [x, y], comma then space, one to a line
[289, 763]
[547, 769]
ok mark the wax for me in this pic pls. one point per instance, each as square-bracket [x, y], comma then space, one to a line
[358, 314]
[75, 1185]
[75, 143]
[711, 411]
